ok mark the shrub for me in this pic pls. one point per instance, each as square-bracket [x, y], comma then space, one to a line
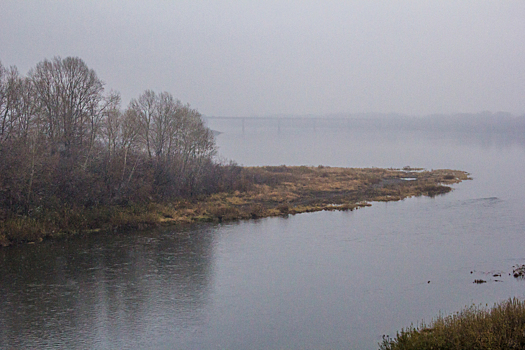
[501, 327]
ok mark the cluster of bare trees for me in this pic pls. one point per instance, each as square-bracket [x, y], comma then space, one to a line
[64, 142]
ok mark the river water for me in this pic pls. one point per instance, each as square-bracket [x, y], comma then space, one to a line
[326, 280]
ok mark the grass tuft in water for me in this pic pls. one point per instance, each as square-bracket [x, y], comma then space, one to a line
[519, 271]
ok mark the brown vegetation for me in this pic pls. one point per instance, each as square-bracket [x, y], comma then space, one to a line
[71, 160]
[500, 327]
[283, 190]
[255, 192]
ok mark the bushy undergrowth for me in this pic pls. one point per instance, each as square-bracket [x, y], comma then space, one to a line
[72, 159]
[500, 327]
[230, 192]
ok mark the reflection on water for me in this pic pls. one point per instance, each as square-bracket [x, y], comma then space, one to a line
[321, 280]
[104, 291]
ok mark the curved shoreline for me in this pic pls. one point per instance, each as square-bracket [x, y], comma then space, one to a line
[267, 191]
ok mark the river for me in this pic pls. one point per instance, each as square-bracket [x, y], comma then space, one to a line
[330, 280]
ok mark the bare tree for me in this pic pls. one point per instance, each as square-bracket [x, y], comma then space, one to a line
[194, 139]
[64, 144]
[145, 109]
[69, 97]
[165, 123]
[112, 123]
[4, 108]
[11, 103]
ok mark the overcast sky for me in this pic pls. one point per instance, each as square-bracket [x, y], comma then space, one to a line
[244, 58]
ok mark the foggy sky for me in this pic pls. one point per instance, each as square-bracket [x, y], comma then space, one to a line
[244, 58]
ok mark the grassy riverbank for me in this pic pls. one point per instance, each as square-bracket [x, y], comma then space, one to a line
[499, 328]
[262, 192]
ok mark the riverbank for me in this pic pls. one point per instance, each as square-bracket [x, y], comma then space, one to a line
[266, 191]
[500, 327]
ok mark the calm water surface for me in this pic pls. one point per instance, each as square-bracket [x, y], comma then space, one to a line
[327, 280]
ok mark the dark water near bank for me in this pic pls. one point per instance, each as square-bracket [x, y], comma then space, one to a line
[331, 280]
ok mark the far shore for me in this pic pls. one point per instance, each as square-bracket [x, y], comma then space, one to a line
[269, 191]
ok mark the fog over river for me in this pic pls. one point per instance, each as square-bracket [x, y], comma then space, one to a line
[325, 280]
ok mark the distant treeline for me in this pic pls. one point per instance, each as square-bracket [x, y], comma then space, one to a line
[483, 122]
[66, 144]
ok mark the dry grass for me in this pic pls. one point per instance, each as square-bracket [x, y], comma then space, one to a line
[501, 327]
[272, 191]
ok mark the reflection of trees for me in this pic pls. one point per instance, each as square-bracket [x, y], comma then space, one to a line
[107, 289]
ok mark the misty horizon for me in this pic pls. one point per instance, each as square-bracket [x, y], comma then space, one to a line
[286, 58]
